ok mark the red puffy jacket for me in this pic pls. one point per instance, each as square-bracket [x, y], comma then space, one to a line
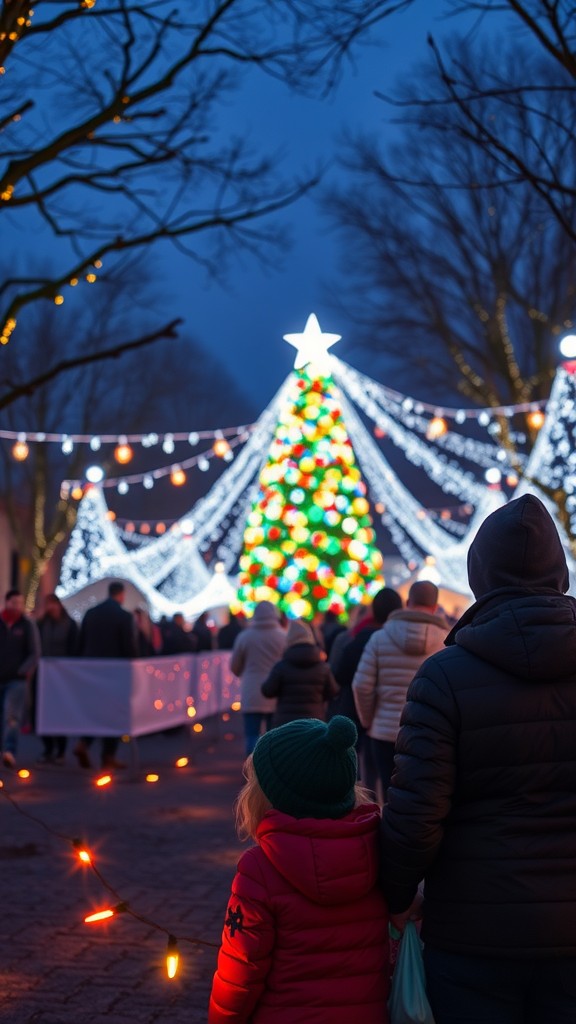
[305, 939]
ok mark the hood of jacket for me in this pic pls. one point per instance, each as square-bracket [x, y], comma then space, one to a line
[521, 621]
[408, 629]
[518, 546]
[330, 861]
[265, 614]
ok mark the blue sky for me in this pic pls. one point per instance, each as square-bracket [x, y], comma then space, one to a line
[243, 322]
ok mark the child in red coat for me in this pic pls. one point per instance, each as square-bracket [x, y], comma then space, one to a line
[306, 930]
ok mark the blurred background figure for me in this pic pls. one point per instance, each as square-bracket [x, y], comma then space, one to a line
[148, 635]
[256, 649]
[19, 655]
[301, 681]
[330, 628]
[175, 638]
[204, 636]
[107, 631]
[228, 633]
[58, 639]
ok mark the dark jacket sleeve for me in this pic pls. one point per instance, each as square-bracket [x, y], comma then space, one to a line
[422, 787]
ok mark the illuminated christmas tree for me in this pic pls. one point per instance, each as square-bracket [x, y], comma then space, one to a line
[309, 545]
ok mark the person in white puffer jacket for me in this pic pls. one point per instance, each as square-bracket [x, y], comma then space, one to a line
[388, 665]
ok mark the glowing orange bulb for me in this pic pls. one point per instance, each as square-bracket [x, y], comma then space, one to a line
[536, 419]
[84, 856]
[24, 773]
[198, 727]
[191, 712]
[181, 762]
[77, 493]
[101, 915]
[221, 447]
[236, 705]
[152, 777]
[436, 428]
[123, 453]
[104, 780]
[20, 451]
[172, 958]
[177, 476]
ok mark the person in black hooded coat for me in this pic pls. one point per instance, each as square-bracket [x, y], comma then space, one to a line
[482, 803]
[302, 680]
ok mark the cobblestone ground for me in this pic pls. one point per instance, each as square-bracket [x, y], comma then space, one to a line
[168, 849]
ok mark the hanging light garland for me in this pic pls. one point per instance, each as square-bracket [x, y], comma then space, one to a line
[116, 905]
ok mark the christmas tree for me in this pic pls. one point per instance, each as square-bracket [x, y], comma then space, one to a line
[309, 544]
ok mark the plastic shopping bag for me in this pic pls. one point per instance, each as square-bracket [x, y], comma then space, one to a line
[408, 1003]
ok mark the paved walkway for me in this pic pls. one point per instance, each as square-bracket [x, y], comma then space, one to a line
[167, 848]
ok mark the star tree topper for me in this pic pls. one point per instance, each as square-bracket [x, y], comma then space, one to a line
[312, 345]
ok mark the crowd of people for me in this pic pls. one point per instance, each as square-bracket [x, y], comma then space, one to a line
[398, 767]
[107, 630]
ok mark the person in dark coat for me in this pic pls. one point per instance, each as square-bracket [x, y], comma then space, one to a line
[330, 628]
[203, 634]
[19, 654]
[175, 639]
[482, 803]
[302, 680]
[228, 633]
[384, 602]
[58, 639]
[107, 631]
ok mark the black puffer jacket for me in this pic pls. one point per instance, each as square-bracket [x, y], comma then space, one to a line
[303, 683]
[483, 797]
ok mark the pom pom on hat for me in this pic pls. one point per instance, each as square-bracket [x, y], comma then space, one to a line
[308, 768]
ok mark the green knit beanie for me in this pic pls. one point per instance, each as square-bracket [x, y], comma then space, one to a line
[308, 768]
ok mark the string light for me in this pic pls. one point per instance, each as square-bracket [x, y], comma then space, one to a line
[83, 853]
[146, 440]
[20, 451]
[172, 957]
[105, 915]
[436, 428]
[123, 453]
[119, 906]
[536, 419]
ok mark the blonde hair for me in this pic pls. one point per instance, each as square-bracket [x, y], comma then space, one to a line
[252, 803]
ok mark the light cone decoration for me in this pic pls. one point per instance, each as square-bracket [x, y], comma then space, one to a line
[309, 544]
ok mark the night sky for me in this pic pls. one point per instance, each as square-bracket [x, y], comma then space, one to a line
[243, 322]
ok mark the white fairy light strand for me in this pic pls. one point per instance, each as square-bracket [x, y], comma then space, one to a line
[148, 439]
[374, 400]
